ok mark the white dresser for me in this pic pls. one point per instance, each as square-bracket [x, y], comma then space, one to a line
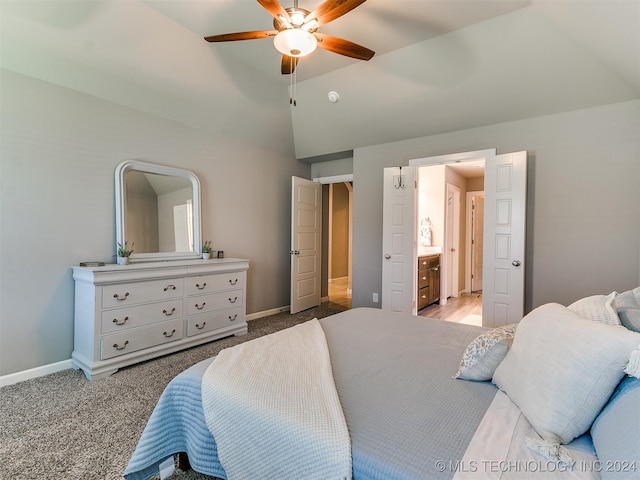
[125, 314]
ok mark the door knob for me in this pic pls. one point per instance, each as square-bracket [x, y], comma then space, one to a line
[387, 256]
[516, 263]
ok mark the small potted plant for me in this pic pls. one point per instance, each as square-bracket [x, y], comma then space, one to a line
[124, 252]
[206, 250]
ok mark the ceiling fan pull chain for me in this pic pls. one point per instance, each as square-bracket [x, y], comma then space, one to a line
[295, 86]
[291, 81]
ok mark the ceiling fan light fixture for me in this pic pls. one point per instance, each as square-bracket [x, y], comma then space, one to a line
[295, 42]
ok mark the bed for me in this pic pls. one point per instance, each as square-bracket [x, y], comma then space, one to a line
[407, 417]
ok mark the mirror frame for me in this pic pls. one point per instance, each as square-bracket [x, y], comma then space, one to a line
[121, 201]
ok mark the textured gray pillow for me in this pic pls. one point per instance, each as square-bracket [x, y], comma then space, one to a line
[485, 352]
[616, 433]
[627, 306]
[561, 369]
[598, 308]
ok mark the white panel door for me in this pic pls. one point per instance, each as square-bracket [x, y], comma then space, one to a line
[451, 242]
[399, 262]
[504, 239]
[306, 229]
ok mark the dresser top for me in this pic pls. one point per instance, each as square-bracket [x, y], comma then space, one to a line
[148, 270]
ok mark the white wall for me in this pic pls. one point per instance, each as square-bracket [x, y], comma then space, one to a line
[59, 150]
[431, 202]
[583, 220]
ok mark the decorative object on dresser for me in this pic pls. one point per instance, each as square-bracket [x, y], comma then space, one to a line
[206, 250]
[428, 280]
[127, 315]
[123, 253]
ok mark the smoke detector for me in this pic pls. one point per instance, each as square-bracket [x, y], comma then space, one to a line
[333, 96]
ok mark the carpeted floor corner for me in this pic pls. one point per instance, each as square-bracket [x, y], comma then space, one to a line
[62, 426]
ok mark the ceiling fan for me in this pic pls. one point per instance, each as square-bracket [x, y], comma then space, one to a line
[296, 34]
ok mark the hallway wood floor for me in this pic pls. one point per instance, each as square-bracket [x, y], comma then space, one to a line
[338, 292]
[456, 309]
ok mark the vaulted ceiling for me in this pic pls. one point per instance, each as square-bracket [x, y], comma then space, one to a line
[440, 65]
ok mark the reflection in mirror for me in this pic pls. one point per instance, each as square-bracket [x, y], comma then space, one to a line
[158, 211]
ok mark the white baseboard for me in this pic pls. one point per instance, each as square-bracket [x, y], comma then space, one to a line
[324, 299]
[266, 313]
[66, 364]
[34, 373]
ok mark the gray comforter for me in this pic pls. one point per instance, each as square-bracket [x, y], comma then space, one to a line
[406, 416]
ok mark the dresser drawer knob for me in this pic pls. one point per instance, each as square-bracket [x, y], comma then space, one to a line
[233, 318]
[233, 300]
[118, 322]
[424, 278]
[201, 287]
[169, 287]
[119, 298]
[118, 347]
[200, 307]
[233, 282]
[169, 335]
[168, 314]
[200, 327]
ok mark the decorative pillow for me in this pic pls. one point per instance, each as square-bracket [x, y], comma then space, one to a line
[561, 370]
[627, 306]
[598, 308]
[485, 353]
[616, 433]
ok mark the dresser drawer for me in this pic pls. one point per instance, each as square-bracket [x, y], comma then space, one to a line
[215, 283]
[119, 319]
[207, 322]
[130, 293]
[214, 301]
[140, 338]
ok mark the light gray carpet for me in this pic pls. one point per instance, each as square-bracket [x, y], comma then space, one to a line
[62, 426]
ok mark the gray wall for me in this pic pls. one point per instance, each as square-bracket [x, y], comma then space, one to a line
[59, 149]
[583, 219]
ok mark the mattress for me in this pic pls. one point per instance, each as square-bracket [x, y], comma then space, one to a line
[393, 374]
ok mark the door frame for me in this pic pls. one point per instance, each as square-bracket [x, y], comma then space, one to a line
[347, 179]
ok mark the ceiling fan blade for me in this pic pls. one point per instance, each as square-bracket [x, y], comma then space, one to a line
[274, 8]
[288, 64]
[232, 37]
[343, 47]
[332, 9]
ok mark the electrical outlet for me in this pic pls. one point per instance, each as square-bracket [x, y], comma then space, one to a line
[375, 298]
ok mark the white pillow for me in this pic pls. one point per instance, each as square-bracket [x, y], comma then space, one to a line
[627, 306]
[561, 370]
[485, 352]
[598, 308]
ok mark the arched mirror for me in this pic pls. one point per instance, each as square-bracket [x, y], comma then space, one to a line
[158, 211]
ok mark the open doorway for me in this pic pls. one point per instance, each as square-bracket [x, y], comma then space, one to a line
[444, 199]
[339, 248]
[337, 208]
